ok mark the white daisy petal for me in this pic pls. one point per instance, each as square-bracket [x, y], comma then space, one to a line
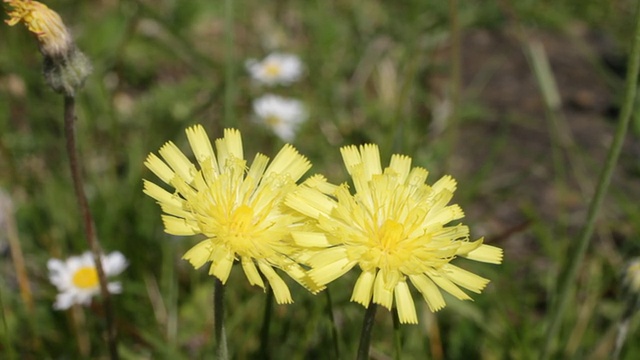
[282, 115]
[276, 69]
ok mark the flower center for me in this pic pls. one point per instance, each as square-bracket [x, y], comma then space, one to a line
[389, 235]
[85, 277]
[272, 120]
[272, 70]
[239, 230]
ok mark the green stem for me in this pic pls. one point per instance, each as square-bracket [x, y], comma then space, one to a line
[6, 339]
[266, 324]
[334, 328]
[365, 335]
[601, 189]
[89, 227]
[222, 351]
[396, 334]
[229, 93]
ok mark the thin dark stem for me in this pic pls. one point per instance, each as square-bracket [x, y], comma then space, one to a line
[396, 334]
[601, 189]
[266, 324]
[334, 328]
[89, 228]
[365, 335]
[218, 318]
[229, 94]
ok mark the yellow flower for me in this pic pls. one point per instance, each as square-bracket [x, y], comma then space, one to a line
[395, 228]
[239, 210]
[52, 34]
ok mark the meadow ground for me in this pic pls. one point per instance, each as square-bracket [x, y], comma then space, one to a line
[471, 98]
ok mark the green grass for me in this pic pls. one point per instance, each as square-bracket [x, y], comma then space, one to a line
[372, 67]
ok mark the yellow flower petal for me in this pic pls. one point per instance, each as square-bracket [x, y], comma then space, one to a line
[289, 161]
[448, 286]
[199, 254]
[363, 288]
[159, 168]
[486, 253]
[178, 226]
[464, 278]
[202, 149]
[404, 304]
[310, 239]
[382, 295]
[280, 289]
[177, 161]
[252, 272]
[429, 291]
[221, 262]
[326, 273]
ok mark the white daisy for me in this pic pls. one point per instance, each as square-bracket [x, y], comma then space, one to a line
[276, 68]
[77, 278]
[282, 115]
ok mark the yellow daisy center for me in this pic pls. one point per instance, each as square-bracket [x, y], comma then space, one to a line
[272, 69]
[273, 120]
[85, 277]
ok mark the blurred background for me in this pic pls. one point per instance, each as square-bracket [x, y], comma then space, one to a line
[517, 100]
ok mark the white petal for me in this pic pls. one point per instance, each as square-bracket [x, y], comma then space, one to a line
[114, 263]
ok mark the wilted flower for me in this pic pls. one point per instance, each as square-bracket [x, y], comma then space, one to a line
[395, 228]
[276, 68]
[240, 211]
[283, 116]
[65, 67]
[45, 23]
[77, 278]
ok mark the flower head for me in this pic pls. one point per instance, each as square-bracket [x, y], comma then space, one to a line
[52, 34]
[77, 278]
[281, 115]
[395, 228]
[240, 211]
[276, 68]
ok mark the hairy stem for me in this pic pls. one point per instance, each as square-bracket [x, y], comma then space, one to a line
[89, 227]
[365, 335]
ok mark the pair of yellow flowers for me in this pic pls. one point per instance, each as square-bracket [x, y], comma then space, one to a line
[395, 227]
